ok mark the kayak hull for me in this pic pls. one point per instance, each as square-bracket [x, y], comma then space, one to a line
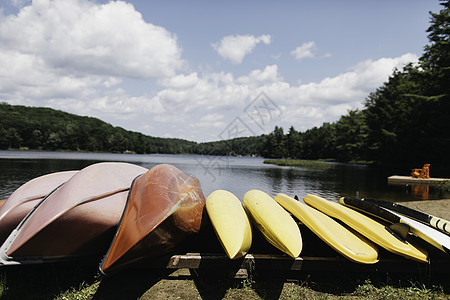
[371, 229]
[350, 245]
[427, 233]
[275, 223]
[230, 222]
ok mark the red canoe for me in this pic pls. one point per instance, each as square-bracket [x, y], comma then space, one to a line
[163, 209]
[22, 201]
[77, 219]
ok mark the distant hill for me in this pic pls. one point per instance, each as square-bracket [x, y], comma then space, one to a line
[39, 128]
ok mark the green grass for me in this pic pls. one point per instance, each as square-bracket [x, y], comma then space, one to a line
[84, 291]
[49, 281]
[316, 164]
[74, 281]
[413, 291]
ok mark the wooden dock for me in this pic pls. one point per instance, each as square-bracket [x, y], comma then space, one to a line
[408, 180]
[273, 265]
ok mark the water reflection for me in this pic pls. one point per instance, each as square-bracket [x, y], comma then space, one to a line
[421, 191]
[236, 174]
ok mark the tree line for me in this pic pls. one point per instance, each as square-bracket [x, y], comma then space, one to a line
[40, 128]
[405, 121]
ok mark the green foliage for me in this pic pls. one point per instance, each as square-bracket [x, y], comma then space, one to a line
[310, 164]
[351, 137]
[436, 57]
[407, 117]
[245, 146]
[275, 144]
[48, 129]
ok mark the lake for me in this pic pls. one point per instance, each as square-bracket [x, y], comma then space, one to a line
[235, 174]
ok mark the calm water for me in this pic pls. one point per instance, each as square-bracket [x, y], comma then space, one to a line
[236, 174]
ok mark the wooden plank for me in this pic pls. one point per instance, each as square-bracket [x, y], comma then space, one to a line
[268, 263]
[405, 180]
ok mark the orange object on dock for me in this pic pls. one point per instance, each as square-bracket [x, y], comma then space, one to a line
[421, 173]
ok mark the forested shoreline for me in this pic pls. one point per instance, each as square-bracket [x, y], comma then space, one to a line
[38, 128]
[404, 122]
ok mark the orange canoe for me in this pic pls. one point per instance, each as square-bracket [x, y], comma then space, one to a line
[22, 200]
[164, 208]
[77, 219]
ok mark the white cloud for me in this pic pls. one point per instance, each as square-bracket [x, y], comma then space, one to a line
[257, 77]
[363, 78]
[72, 55]
[327, 100]
[235, 47]
[87, 38]
[304, 105]
[181, 81]
[306, 50]
[27, 78]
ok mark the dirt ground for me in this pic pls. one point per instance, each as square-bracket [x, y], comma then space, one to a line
[437, 208]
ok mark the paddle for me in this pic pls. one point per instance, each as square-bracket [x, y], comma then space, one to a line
[397, 226]
[433, 221]
[402, 224]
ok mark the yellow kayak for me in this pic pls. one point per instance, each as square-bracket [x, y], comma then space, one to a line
[368, 227]
[230, 222]
[341, 239]
[277, 226]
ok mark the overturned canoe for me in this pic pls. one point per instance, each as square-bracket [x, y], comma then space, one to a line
[77, 219]
[23, 199]
[164, 207]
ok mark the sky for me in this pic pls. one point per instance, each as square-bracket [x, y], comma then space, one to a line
[206, 70]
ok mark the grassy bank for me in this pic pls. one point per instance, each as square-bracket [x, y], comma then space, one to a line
[298, 163]
[75, 281]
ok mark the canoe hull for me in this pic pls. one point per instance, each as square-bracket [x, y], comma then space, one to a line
[77, 219]
[164, 208]
[26, 197]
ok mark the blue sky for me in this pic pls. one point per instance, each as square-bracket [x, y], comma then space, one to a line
[199, 69]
